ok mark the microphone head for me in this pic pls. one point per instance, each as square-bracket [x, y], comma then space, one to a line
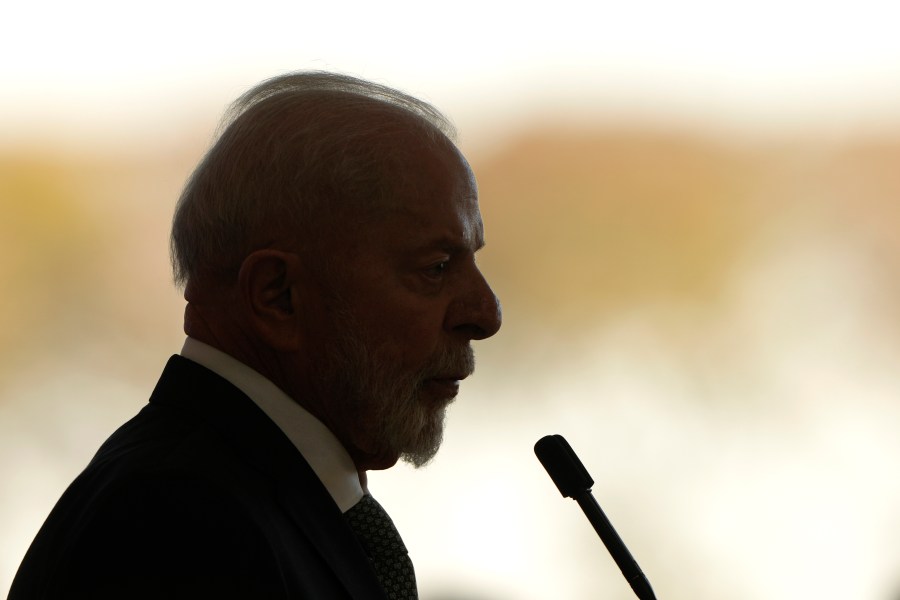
[563, 465]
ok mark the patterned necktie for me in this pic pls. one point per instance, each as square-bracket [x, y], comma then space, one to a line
[381, 541]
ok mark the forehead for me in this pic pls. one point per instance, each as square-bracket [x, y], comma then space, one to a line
[417, 168]
[436, 194]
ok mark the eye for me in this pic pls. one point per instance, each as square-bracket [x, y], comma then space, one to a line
[437, 269]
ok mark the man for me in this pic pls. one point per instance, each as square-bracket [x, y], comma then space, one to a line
[326, 244]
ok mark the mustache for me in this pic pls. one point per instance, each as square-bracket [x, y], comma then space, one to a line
[450, 361]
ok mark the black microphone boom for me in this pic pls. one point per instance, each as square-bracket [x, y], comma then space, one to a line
[574, 481]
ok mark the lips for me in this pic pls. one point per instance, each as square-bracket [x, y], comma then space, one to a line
[445, 387]
[447, 369]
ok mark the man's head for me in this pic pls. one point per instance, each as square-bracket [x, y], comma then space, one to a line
[328, 240]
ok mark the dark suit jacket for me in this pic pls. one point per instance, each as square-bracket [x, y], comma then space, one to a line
[198, 496]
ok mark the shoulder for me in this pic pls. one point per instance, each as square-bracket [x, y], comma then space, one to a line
[164, 534]
[179, 503]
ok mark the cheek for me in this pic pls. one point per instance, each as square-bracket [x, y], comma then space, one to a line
[405, 324]
[408, 338]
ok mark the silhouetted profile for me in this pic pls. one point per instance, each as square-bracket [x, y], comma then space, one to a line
[326, 246]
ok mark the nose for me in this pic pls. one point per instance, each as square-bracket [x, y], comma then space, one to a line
[476, 313]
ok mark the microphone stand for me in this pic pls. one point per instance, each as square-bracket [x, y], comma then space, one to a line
[573, 481]
[614, 544]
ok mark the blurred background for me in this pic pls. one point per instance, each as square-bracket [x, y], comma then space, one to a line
[692, 214]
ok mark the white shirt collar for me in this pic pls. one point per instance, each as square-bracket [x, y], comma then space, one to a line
[318, 445]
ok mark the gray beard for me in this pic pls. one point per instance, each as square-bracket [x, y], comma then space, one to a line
[381, 408]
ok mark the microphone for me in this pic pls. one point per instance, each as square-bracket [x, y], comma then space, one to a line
[575, 482]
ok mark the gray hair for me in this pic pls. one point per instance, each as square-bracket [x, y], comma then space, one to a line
[290, 151]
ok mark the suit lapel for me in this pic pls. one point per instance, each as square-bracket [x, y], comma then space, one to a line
[333, 538]
[300, 493]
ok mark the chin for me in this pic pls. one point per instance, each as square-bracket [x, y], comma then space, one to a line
[418, 461]
[412, 436]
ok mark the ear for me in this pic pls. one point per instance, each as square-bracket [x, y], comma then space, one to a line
[271, 284]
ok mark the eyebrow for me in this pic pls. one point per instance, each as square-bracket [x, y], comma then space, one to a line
[450, 245]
